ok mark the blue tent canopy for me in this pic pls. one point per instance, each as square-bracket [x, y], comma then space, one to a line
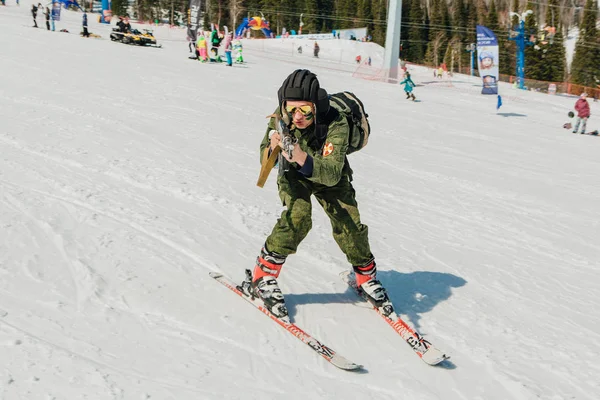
[68, 3]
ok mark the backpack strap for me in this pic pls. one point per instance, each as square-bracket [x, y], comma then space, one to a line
[322, 127]
[350, 116]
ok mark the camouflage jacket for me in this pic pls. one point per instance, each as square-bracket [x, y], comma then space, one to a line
[330, 163]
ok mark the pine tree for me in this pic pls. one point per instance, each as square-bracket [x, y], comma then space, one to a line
[472, 20]
[491, 21]
[404, 27]
[290, 20]
[272, 13]
[413, 44]
[438, 32]
[368, 16]
[508, 51]
[310, 18]
[552, 48]
[533, 59]
[345, 9]
[380, 13]
[584, 70]
[461, 28]
[119, 7]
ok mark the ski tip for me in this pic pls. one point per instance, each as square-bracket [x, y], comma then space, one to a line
[348, 365]
[215, 275]
[434, 356]
[356, 368]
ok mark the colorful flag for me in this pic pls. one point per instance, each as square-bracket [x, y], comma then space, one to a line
[55, 11]
[487, 57]
[194, 19]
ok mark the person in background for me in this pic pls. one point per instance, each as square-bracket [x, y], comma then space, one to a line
[228, 48]
[215, 42]
[191, 44]
[237, 46]
[47, 15]
[316, 50]
[202, 47]
[583, 112]
[34, 11]
[408, 86]
[85, 25]
[121, 25]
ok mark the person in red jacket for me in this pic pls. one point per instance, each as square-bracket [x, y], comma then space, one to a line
[583, 112]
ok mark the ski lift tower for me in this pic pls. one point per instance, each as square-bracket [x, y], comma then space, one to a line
[392, 40]
[519, 37]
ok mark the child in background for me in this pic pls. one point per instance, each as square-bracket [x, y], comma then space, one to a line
[202, 47]
[408, 86]
[237, 47]
[228, 48]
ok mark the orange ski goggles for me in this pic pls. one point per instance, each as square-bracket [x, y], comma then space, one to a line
[305, 110]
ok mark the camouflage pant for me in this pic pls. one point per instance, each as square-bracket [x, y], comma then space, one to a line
[340, 206]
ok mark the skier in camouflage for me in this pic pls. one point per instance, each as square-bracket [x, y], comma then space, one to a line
[318, 167]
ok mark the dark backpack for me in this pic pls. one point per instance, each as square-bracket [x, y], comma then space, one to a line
[349, 105]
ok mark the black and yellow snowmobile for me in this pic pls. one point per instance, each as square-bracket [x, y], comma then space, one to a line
[134, 36]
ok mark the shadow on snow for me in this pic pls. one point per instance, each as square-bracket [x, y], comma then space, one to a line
[413, 293]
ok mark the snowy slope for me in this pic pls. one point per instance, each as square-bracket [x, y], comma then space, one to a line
[127, 174]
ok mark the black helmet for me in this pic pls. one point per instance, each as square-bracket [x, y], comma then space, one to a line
[299, 85]
[304, 85]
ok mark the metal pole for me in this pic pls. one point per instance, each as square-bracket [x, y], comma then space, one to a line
[521, 55]
[392, 40]
[472, 59]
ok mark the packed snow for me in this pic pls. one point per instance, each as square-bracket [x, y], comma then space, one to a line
[127, 174]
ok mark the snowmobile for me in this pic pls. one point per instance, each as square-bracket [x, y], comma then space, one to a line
[144, 38]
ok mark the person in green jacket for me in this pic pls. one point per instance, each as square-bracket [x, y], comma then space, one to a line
[318, 167]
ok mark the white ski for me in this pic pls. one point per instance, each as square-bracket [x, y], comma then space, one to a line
[422, 347]
[321, 349]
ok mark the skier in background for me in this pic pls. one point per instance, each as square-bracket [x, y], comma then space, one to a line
[228, 48]
[316, 50]
[215, 42]
[47, 15]
[583, 112]
[238, 48]
[201, 48]
[408, 86]
[318, 167]
[85, 25]
[191, 45]
[34, 11]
